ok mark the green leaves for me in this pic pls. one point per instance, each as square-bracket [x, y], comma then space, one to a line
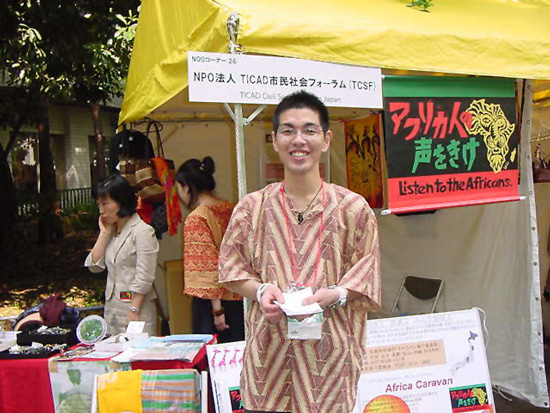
[422, 5]
[76, 49]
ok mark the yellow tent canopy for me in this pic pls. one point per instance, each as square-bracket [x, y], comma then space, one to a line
[541, 95]
[508, 38]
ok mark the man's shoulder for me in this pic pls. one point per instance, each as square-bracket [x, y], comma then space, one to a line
[250, 203]
[254, 198]
[351, 203]
[345, 194]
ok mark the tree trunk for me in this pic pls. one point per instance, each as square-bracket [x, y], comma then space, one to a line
[48, 223]
[8, 202]
[8, 210]
[99, 164]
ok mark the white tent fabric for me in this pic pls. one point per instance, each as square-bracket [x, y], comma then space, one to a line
[488, 260]
[483, 255]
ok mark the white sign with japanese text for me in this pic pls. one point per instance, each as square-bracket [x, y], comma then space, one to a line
[426, 363]
[218, 77]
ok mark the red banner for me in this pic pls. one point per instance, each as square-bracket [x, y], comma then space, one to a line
[422, 193]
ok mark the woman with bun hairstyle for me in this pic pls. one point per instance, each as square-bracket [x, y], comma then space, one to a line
[216, 310]
[128, 249]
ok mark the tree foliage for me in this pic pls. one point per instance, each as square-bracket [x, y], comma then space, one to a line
[76, 50]
[100, 75]
[72, 50]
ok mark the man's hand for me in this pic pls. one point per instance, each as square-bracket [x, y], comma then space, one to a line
[324, 297]
[219, 322]
[272, 311]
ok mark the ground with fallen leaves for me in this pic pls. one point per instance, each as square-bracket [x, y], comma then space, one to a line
[36, 272]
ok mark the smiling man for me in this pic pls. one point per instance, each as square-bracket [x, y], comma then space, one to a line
[302, 236]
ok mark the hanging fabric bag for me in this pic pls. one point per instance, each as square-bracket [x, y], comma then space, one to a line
[150, 188]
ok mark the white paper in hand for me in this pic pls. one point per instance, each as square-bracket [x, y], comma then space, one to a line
[293, 303]
[135, 327]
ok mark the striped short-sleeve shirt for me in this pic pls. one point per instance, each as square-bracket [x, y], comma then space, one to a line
[266, 244]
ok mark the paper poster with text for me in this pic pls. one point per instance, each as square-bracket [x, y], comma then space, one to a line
[225, 362]
[445, 152]
[426, 363]
[363, 158]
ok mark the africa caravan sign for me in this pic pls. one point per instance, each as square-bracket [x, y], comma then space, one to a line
[226, 78]
[426, 363]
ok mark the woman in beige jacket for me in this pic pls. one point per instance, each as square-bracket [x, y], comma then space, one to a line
[128, 249]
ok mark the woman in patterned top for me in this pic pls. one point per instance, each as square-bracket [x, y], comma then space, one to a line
[216, 310]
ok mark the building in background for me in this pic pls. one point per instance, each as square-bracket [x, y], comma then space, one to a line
[72, 144]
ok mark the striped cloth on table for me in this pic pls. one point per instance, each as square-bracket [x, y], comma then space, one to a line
[175, 390]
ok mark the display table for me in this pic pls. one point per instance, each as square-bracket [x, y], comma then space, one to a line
[26, 387]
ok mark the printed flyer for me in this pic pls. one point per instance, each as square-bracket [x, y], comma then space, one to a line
[226, 362]
[426, 363]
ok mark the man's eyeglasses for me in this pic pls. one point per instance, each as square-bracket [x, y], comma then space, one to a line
[309, 131]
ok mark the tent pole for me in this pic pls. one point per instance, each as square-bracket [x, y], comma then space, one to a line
[240, 123]
[239, 145]
[237, 115]
[536, 340]
[235, 48]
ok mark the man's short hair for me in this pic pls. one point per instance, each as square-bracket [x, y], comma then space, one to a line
[118, 189]
[302, 100]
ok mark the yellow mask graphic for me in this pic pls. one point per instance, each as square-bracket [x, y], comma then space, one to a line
[489, 121]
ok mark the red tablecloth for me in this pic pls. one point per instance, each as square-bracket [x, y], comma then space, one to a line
[25, 386]
[25, 383]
